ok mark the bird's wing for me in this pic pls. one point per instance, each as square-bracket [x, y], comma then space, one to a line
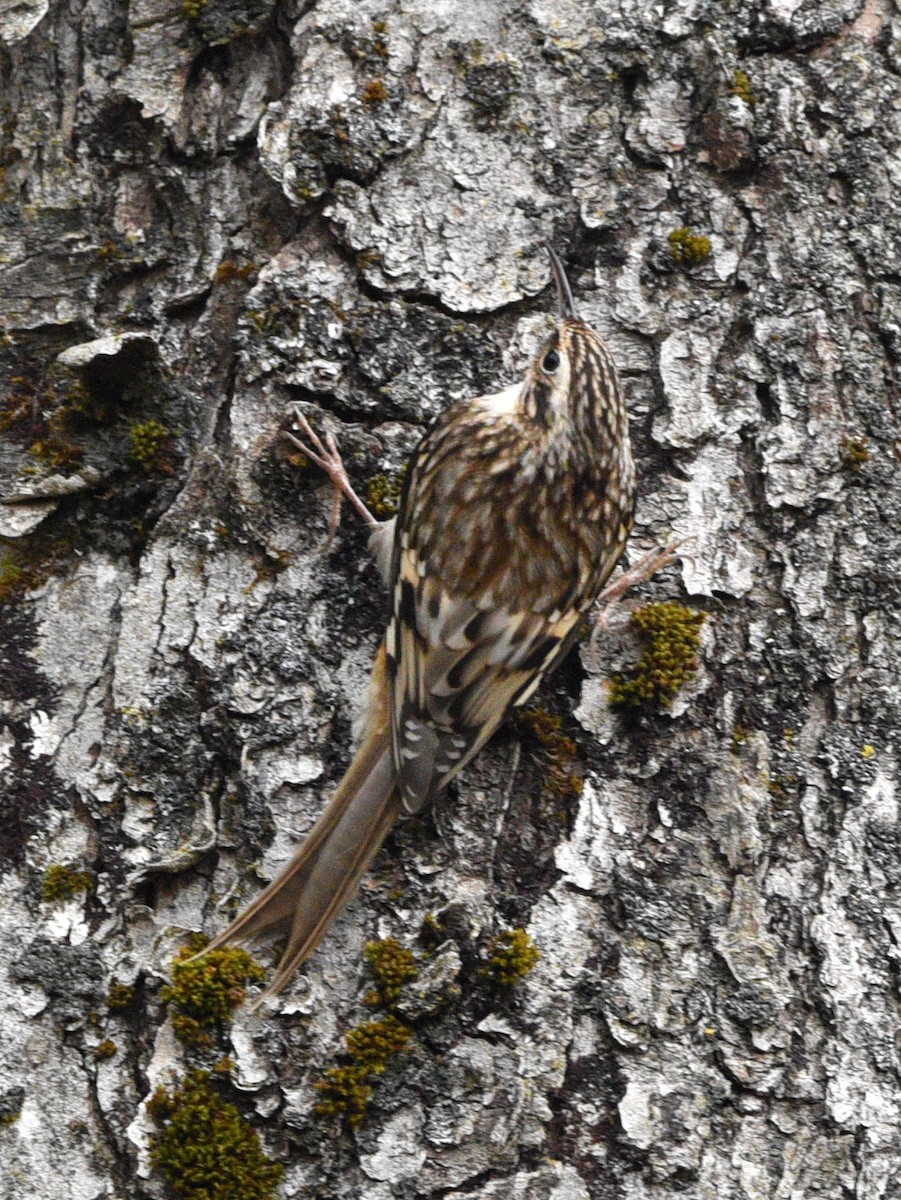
[455, 668]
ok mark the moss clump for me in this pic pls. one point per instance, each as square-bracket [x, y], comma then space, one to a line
[19, 403]
[105, 1050]
[65, 883]
[9, 153]
[378, 47]
[741, 87]
[346, 1090]
[193, 9]
[206, 992]
[513, 954]
[11, 1102]
[383, 494]
[27, 563]
[268, 566]
[56, 451]
[148, 445]
[672, 635]
[393, 966]
[373, 1043]
[13, 576]
[119, 996]
[367, 258]
[229, 270]
[346, 1093]
[855, 452]
[205, 1149]
[375, 92]
[44, 408]
[432, 930]
[109, 251]
[688, 249]
[562, 779]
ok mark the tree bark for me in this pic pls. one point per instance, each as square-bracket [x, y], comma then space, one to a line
[212, 210]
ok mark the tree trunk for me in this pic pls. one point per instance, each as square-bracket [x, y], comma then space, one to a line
[212, 209]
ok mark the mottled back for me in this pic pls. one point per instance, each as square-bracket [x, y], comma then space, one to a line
[516, 509]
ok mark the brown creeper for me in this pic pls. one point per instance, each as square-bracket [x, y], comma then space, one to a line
[515, 510]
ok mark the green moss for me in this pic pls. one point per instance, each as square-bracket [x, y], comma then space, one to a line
[562, 777]
[854, 453]
[688, 249]
[383, 494]
[27, 563]
[672, 636]
[9, 154]
[148, 446]
[375, 92]
[779, 786]
[432, 930]
[192, 9]
[393, 966]
[119, 996]
[373, 1043]
[45, 407]
[339, 124]
[205, 1149]
[11, 1102]
[105, 1050]
[8, 120]
[227, 271]
[109, 251]
[347, 1090]
[65, 883]
[13, 577]
[16, 403]
[741, 87]
[739, 737]
[56, 452]
[268, 566]
[54, 443]
[367, 258]
[206, 992]
[380, 38]
[513, 954]
[191, 1032]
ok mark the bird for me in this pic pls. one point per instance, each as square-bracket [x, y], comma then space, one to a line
[515, 509]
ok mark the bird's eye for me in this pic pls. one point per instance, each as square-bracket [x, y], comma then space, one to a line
[550, 362]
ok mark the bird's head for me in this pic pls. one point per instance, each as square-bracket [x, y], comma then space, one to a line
[572, 387]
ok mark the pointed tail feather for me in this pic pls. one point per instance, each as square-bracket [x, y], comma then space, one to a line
[328, 867]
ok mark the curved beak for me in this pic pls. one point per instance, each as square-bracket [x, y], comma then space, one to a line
[565, 301]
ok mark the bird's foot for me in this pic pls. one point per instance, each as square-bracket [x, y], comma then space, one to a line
[646, 567]
[327, 458]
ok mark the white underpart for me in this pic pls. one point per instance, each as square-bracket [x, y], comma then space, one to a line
[503, 404]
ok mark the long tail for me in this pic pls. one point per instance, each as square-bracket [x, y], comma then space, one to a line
[327, 869]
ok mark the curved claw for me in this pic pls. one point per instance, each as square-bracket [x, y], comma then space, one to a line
[327, 458]
[646, 567]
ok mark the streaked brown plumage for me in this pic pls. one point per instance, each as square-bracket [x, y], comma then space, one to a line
[516, 509]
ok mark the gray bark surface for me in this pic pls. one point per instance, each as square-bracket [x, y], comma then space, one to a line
[716, 1010]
